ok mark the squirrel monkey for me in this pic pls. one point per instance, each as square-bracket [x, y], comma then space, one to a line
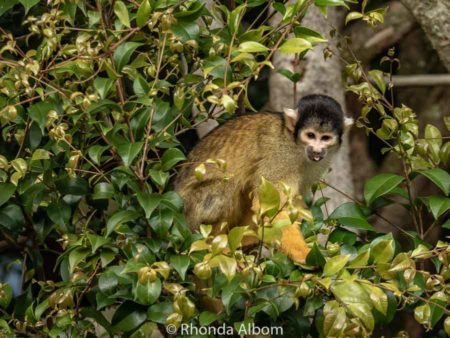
[295, 147]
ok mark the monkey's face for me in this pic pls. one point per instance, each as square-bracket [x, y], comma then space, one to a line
[318, 144]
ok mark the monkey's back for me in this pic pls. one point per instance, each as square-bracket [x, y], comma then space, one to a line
[251, 145]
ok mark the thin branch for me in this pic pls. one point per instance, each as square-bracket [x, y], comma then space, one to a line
[360, 203]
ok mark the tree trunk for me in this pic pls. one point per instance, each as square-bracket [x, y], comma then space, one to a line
[322, 77]
[432, 15]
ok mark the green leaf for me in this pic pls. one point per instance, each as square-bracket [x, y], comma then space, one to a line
[6, 293]
[11, 217]
[143, 13]
[123, 53]
[348, 292]
[269, 198]
[6, 191]
[20, 165]
[294, 77]
[315, 257]
[356, 300]
[171, 157]
[76, 256]
[193, 12]
[438, 205]
[340, 235]
[401, 262]
[159, 177]
[361, 260]
[363, 312]
[97, 241]
[446, 224]
[219, 244]
[73, 186]
[145, 330]
[324, 3]
[279, 7]
[6, 5]
[353, 16]
[120, 217]
[38, 113]
[309, 35]
[129, 151]
[103, 86]
[40, 154]
[130, 322]
[89, 312]
[186, 30]
[235, 18]
[235, 236]
[378, 297]
[295, 45]
[40, 309]
[59, 212]
[252, 47]
[28, 4]
[206, 318]
[95, 153]
[438, 302]
[160, 311]
[148, 202]
[107, 256]
[148, 293]
[422, 314]
[439, 177]
[107, 282]
[350, 215]
[378, 77]
[103, 190]
[227, 265]
[334, 321]
[122, 13]
[102, 106]
[335, 264]
[380, 185]
[433, 135]
[180, 264]
[382, 251]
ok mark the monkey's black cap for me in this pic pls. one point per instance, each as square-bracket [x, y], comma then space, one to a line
[320, 111]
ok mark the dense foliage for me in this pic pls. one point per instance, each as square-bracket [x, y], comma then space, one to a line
[93, 98]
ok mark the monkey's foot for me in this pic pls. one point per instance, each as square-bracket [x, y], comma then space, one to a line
[293, 244]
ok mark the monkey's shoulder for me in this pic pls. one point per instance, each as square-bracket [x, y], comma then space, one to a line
[248, 122]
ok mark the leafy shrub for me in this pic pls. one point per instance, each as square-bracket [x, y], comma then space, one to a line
[93, 97]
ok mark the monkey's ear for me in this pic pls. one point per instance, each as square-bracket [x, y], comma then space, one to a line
[348, 122]
[291, 117]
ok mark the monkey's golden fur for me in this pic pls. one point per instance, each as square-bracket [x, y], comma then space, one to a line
[253, 146]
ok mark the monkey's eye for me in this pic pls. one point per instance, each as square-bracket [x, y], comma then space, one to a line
[326, 138]
[311, 136]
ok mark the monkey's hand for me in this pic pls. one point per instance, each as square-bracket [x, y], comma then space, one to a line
[293, 244]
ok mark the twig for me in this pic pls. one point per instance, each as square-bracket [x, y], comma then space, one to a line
[421, 80]
[88, 286]
[360, 203]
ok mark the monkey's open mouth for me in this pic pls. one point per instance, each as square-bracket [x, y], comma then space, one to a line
[315, 157]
